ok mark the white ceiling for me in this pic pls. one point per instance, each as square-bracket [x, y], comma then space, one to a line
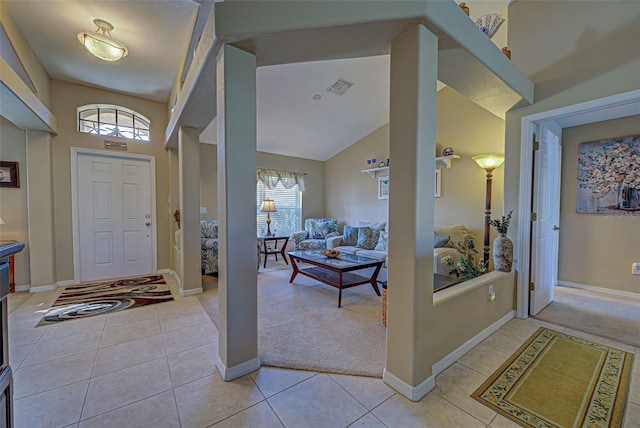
[156, 32]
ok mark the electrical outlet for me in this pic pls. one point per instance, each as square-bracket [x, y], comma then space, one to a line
[491, 296]
[203, 210]
[635, 269]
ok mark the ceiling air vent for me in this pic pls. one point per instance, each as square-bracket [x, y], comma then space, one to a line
[339, 87]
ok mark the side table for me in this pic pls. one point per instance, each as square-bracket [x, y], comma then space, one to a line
[12, 279]
[266, 250]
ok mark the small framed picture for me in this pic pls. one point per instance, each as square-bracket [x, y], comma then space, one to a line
[9, 174]
[438, 182]
[383, 187]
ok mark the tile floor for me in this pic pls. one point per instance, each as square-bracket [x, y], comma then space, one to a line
[154, 367]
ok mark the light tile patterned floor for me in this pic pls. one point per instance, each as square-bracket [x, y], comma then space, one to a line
[154, 367]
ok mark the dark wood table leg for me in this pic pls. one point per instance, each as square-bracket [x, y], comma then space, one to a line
[340, 292]
[283, 249]
[266, 254]
[374, 282]
[295, 270]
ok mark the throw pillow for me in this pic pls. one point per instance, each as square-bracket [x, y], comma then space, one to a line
[383, 242]
[367, 238]
[350, 236]
[321, 229]
[382, 225]
[439, 240]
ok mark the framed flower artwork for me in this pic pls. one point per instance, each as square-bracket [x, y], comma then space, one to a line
[609, 176]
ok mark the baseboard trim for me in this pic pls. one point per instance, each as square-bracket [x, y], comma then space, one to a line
[176, 277]
[191, 292]
[164, 271]
[42, 288]
[599, 289]
[231, 373]
[447, 361]
[413, 393]
[23, 287]
[65, 283]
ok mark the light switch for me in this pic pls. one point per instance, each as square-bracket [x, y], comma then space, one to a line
[203, 210]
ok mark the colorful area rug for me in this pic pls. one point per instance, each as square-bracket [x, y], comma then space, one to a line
[84, 300]
[558, 380]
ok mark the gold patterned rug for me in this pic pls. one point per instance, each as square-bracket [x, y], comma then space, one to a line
[559, 380]
[97, 298]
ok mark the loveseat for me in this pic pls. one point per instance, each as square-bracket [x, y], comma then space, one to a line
[444, 237]
[315, 234]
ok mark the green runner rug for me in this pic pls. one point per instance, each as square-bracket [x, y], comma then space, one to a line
[559, 380]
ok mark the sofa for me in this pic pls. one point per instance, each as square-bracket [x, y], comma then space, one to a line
[315, 234]
[444, 247]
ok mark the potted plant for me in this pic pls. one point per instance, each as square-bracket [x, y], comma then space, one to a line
[502, 245]
[469, 265]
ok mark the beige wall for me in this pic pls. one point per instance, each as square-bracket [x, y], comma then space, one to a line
[602, 257]
[313, 202]
[66, 98]
[30, 62]
[466, 315]
[462, 125]
[589, 78]
[13, 202]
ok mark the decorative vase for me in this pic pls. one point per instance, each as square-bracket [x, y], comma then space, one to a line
[465, 8]
[628, 198]
[502, 253]
[507, 52]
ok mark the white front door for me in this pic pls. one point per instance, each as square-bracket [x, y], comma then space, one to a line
[114, 217]
[546, 205]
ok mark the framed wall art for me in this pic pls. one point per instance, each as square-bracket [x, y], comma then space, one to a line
[383, 187]
[9, 174]
[609, 176]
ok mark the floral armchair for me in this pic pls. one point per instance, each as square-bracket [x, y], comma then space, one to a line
[209, 245]
[315, 234]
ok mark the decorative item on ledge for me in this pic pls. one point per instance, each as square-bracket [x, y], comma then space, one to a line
[448, 151]
[332, 254]
[507, 52]
[446, 160]
[490, 23]
[465, 8]
[502, 245]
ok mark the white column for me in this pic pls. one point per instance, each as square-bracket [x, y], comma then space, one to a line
[189, 182]
[42, 259]
[237, 254]
[412, 134]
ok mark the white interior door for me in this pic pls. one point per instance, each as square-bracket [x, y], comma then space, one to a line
[546, 205]
[114, 217]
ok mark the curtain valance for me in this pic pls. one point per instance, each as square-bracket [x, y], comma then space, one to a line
[271, 177]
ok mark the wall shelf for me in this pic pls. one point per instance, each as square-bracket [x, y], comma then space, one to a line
[446, 160]
[372, 171]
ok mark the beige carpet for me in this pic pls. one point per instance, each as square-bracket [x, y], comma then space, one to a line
[537, 388]
[300, 325]
[605, 315]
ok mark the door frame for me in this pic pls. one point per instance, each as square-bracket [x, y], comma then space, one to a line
[75, 152]
[527, 128]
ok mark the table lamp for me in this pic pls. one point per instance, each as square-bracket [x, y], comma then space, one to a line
[268, 206]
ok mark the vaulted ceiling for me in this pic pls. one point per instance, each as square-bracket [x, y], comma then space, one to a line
[161, 35]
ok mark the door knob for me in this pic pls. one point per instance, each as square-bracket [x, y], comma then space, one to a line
[148, 224]
[555, 227]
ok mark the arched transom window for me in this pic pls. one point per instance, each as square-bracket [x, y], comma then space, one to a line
[113, 121]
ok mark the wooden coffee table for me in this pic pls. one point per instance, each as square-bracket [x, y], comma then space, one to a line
[336, 272]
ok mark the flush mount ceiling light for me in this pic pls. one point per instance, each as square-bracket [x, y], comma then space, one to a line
[103, 45]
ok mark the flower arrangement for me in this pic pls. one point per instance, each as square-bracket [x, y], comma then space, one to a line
[502, 226]
[470, 265]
